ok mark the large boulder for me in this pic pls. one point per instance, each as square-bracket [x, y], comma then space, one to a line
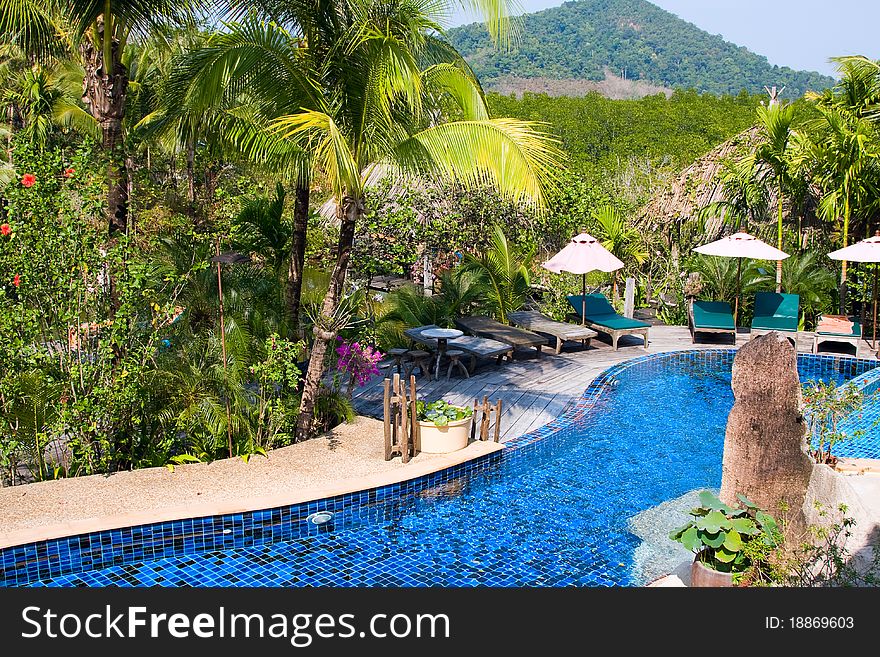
[765, 455]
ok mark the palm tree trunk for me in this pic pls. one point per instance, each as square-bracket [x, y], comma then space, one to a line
[298, 251]
[117, 177]
[104, 91]
[350, 210]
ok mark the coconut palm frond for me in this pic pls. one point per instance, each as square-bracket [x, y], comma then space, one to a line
[513, 156]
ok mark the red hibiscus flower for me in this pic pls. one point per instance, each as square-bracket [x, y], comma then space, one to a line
[69, 172]
[16, 280]
[28, 180]
[5, 229]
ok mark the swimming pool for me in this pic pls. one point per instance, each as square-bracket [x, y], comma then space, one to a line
[552, 510]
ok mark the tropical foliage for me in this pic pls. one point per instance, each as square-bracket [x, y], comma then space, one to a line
[621, 240]
[186, 247]
[502, 274]
[719, 534]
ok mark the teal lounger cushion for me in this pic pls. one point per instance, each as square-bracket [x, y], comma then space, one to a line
[713, 315]
[600, 311]
[776, 312]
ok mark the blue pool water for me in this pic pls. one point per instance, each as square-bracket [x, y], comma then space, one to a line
[553, 512]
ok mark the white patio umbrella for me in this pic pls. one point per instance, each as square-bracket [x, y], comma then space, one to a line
[741, 245]
[867, 250]
[582, 255]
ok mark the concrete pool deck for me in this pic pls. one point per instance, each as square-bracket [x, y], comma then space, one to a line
[534, 391]
[345, 460]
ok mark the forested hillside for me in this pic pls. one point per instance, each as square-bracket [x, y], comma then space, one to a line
[633, 39]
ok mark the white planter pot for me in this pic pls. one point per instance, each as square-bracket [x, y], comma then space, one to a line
[439, 440]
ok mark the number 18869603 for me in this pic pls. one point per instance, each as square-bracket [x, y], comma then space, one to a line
[810, 622]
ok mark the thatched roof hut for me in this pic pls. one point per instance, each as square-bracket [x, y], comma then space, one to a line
[694, 188]
[673, 211]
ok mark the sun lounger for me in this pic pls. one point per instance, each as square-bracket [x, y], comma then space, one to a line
[711, 317]
[476, 347]
[562, 331]
[600, 316]
[776, 312]
[836, 331]
[485, 327]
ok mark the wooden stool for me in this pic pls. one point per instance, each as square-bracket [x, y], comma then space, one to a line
[420, 359]
[454, 361]
[399, 356]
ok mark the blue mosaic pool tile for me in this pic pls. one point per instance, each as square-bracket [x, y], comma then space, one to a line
[372, 528]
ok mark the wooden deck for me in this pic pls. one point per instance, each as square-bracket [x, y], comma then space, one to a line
[534, 391]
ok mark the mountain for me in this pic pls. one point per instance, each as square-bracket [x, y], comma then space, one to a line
[596, 44]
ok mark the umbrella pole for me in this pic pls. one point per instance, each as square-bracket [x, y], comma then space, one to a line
[874, 328]
[738, 290]
[583, 299]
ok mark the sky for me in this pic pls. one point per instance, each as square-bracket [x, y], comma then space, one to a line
[801, 34]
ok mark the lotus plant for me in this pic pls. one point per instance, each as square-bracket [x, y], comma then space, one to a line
[718, 534]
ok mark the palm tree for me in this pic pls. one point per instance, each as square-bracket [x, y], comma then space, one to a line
[371, 98]
[247, 76]
[176, 127]
[374, 112]
[774, 152]
[502, 274]
[843, 155]
[623, 241]
[100, 30]
[40, 98]
[410, 306]
[845, 146]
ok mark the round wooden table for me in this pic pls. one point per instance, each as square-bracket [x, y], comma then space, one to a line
[442, 336]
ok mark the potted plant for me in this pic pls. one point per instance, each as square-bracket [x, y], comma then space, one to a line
[725, 540]
[443, 427]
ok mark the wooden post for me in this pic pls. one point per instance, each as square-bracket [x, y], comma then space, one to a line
[387, 417]
[484, 425]
[402, 435]
[629, 298]
[395, 417]
[497, 420]
[406, 437]
[414, 414]
[474, 422]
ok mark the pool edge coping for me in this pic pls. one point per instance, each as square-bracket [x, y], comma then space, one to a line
[475, 450]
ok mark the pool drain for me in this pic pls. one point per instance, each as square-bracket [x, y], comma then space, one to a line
[320, 518]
